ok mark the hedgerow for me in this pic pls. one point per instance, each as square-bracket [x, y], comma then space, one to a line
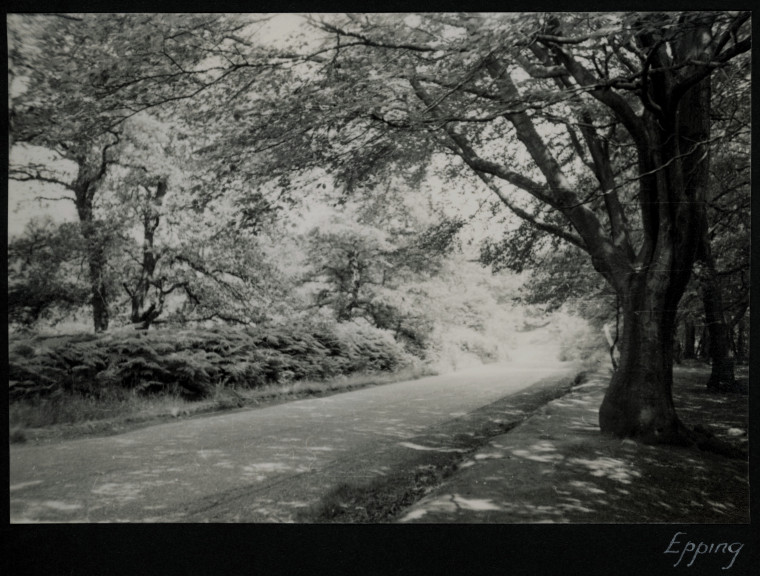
[195, 362]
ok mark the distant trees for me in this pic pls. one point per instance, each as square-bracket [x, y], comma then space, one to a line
[352, 261]
[363, 264]
[146, 290]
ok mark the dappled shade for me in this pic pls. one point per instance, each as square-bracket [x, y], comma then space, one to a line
[549, 471]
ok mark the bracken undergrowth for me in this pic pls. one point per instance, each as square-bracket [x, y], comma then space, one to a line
[194, 363]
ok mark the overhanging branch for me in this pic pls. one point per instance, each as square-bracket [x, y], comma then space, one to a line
[524, 215]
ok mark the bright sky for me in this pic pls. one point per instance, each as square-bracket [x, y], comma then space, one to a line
[23, 202]
[279, 30]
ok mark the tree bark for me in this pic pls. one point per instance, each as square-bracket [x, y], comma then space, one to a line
[96, 261]
[140, 295]
[722, 376]
[639, 402]
[96, 257]
[91, 171]
[741, 346]
[689, 337]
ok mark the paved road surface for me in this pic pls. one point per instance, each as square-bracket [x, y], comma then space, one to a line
[258, 465]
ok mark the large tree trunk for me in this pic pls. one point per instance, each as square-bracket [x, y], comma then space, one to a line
[639, 401]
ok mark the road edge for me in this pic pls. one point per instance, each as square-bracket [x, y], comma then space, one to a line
[384, 499]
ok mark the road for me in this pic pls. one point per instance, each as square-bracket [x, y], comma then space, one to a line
[256, 465]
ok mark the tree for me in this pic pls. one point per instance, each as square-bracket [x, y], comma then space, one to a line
[134, 203]
[188, 253]
[724, 252]
[542, 106]
[366, 261]
[67, 98]
[721, 280]
[92, 160]
[43, 273]
[78, 80]
[350, 260]
[54, 114]
[147, 293]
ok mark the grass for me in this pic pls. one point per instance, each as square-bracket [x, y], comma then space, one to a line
[384, 498]
[722, 416]
[65, 416]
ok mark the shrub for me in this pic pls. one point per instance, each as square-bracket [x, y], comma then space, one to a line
[194, 362]
[369, 348]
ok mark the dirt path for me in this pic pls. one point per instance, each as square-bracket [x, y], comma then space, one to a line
[254, 465]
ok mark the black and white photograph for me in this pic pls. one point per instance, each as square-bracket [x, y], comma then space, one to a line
[382, 268]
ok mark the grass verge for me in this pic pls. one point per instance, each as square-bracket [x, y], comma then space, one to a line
[383, 499]
[67, 416]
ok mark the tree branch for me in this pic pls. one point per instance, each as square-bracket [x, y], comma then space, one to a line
[540, 225]
[707, 68]
[327, 27]
[608, 97]
[21, 175]
[730, 32]
[482, 168]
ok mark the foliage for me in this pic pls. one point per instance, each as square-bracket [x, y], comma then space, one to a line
[581, 340]
[44, 273]
[368, 348]
[470, 314]
[66, 98]
[193, 362]
[367, 261]
[729, 207]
